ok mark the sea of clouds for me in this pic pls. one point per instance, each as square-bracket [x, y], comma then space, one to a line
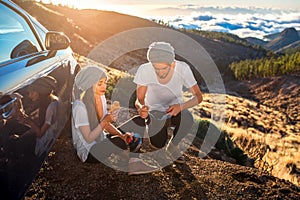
[244, 22]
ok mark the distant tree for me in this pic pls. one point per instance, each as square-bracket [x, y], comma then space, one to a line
[271, 65]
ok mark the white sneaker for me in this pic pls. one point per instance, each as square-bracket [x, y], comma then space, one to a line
[175, 153]
[137, 166]
[180, 160]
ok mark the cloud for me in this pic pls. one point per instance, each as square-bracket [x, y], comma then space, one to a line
[229, 26]
[204, 18]
[188, 26]
[244, 22]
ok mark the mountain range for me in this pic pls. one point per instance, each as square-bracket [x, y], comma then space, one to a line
[281, 42]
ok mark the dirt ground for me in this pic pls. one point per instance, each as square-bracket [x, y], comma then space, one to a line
[63, 176]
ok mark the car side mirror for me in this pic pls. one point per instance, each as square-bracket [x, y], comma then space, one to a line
[56, 41]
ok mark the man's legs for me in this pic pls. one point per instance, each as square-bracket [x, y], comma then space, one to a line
[136, 165]
[183, 123]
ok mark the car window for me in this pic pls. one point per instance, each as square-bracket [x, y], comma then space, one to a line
[16, 37]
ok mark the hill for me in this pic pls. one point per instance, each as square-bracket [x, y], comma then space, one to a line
[274, 35]
[290, 47]
[65, 177]
[256, 41]
[89, 28]
[214, 177]
[282, 42]
[285, 38]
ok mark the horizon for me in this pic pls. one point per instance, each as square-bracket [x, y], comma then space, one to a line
[269, 4]
[235, 17]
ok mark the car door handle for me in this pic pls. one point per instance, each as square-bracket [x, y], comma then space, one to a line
[36, 60]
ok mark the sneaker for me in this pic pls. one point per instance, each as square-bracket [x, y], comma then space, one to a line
[174, 152]
[180, 160]
[139, 167]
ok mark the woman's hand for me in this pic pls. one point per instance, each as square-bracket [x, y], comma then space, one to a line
[173, 110]
[14, 137]
[127, 137]
[109, 118]
[143, 112]
[21, 117]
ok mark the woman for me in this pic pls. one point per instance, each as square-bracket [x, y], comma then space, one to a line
[41, 92]
[90, 118]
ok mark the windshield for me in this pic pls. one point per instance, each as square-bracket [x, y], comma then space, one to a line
[16, 37]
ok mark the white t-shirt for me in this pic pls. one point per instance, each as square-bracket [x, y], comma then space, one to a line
[51, 113]
[80, 118]
[46, 141]
[161, 96]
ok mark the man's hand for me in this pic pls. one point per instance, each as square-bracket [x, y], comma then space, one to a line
[173, 110]
[143, 112]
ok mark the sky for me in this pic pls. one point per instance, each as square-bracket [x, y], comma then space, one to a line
[245, 18]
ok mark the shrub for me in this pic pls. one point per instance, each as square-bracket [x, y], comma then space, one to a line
[124, 91]
[224, 141]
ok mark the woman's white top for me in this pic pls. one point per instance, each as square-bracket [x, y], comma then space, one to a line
[80, 118]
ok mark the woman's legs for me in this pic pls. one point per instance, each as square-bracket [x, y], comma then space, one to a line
[136, 125]
[102, 150]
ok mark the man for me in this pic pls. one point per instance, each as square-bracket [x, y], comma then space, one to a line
[160, 85]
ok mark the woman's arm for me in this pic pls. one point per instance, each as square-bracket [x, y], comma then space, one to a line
[90, 135]
[42, 130]
[39, 132]
[114, 131]
[24, 119]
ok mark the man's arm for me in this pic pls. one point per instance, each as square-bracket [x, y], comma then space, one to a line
[140, 101]
[140, 96]
[197, 98]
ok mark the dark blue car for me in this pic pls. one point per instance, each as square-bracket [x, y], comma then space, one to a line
[37, 70]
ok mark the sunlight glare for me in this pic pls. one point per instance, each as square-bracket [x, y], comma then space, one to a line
[130, 9]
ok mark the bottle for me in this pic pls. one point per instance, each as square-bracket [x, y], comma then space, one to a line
[170, 132]
[134, 143]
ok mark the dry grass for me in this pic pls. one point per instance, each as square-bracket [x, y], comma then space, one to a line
[262, 132]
